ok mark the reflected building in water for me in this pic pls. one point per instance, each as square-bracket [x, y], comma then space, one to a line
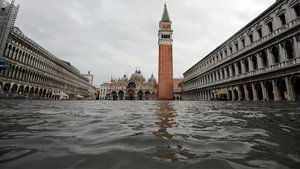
[165, 120]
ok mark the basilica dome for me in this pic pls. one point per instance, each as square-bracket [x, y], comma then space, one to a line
[137, 76]
[152, 79]
[124, 79]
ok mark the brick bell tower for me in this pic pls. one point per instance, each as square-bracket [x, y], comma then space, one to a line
[165, 70]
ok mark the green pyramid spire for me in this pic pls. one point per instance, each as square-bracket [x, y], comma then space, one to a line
[165, 16]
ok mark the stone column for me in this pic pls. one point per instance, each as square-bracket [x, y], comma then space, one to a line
[230, 71]
[255, 96]
[239, 94]
[270, 58]
[221, 75]
[225, 73]
[297, 47]
[247, 98]
[276, 91]
[264, 90]
[243, 67]
[259, 61]
[233, 95]
[209, 95]
[282, 53]
[291, 94]
[251, 68]
[236, 69]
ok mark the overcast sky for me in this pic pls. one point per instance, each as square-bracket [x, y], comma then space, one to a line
[116, 36]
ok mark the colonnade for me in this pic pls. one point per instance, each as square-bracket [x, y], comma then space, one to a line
[276, 89]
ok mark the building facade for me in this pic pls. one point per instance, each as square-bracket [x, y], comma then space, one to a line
[165, 69]
[133, 88]
[93, 91]
[34, 72]
[259, 62]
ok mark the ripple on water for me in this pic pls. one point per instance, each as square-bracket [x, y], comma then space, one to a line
[131, 135]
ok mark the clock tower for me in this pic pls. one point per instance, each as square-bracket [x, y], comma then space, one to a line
[165, 69]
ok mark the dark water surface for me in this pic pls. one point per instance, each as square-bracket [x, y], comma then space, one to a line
[150, 135]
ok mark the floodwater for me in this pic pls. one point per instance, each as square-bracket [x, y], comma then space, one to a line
[149, 135]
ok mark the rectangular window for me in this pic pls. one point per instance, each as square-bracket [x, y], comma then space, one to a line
[270, 26]
[297, 10]
[237, 46]
[259, 31]
[282, 19]
[251, 38]
[230, 49]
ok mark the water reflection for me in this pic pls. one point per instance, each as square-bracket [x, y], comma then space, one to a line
[165, 115]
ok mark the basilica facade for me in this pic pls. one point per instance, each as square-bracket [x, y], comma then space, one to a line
[135, 87]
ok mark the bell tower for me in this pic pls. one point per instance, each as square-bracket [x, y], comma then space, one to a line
[165, 69]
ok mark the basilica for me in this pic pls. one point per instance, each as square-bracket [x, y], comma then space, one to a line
[135, 87]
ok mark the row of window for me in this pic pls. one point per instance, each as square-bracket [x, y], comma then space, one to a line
[245, 65]
[241, 43]
[26, 58]
[26, 75]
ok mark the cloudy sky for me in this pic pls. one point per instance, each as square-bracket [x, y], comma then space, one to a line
[113, 37]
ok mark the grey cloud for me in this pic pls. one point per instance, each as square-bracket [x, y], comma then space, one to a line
[115, 36]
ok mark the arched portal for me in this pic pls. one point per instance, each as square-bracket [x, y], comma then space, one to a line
[229, 95]
[121, 94]
[114, 95]
[235, 95]
[130, 94]
[21, 89]
[250, 92]
[6, 87]
[131, 85]
[41, 92]
[31, 90]
[259, 91]
[242, 94]
[270, 90]
[140, 95]
[147, 95]
[44, 93]
[296, 86]
[36, 91]
[14, 88]
[283, 94]
[26, 91]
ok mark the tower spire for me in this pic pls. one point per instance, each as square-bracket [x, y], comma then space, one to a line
[165, 17]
